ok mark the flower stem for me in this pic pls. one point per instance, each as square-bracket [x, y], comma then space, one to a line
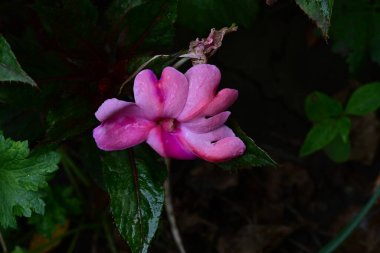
[2, 242]
[170, 211]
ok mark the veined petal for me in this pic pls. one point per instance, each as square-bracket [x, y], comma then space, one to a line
[224, 99]
[123, 129]
[204, 125]
[216, 146]
[147, 94]
[110, 107]
[174, 89]
[203, 80]
[168, 145]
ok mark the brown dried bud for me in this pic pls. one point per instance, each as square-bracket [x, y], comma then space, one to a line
[201, 49]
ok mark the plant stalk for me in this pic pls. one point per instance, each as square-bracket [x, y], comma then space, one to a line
[170, 212]
[2, 242]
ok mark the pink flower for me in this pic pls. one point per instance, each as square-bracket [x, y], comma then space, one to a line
[178, 115]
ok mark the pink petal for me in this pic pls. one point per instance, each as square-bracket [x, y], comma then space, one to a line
[204, 125]
[161, 98]
[203, 81]
[174, 88]
[168, 145]
[110, 107]
[147, 94]
[216, 146]
[224, 99]
[123, 129]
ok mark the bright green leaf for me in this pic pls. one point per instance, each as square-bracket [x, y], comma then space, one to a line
[202, 15]
[10, 69]
[338, 150]
[319, 106]
[136, 190]
[319, 11]
[364, 100]
[254, 156]
[22, 175]
[319, 136]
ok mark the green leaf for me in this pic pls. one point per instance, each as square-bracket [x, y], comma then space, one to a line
[59, 205]
[319, 11]
[343, 128]
[155, 19]
[338, 150]
[10, 69]
[364, 100]
[202, 15]
[22, 175]
[319, 106]
[319, 136]
[254, 156]
[350, 227]
[135, 186]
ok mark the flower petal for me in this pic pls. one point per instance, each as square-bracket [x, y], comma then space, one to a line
[161, 98]
[216, 146]
[168, 145]
[174, 89]
[204, 125]
[147, 94]
[203, 80]
[110, 107]
[123, 129]
[224, 99]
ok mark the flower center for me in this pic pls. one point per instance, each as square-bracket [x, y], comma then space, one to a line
[169, 125]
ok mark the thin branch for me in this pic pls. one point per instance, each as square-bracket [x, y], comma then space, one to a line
[2, 242]
[170, 213]
[140, 68]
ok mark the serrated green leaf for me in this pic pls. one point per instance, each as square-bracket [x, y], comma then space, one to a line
[10, 69]
[319, 106]
[364, 100]
[202, 15]
[254, 156]
[22, 175]
[319, 11]
[137, 194]
[319, 136]
[338, 150]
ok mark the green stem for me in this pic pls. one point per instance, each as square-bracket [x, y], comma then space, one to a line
[2, 242]
[339, 239]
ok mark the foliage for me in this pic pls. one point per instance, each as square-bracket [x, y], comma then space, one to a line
[332, 125]
[10, 69]
[22, 175]
[320, 11]
[134, 181]
[81, 52]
